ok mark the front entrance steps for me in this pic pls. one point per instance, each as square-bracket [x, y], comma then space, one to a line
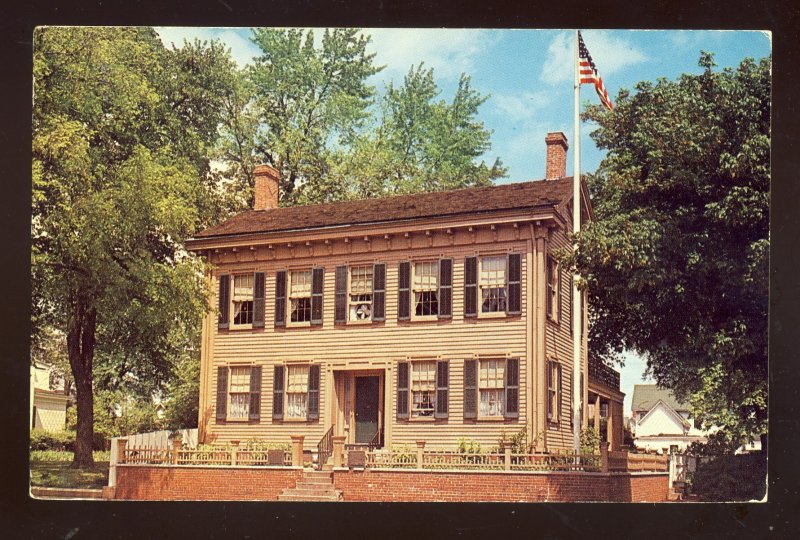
[314, 486]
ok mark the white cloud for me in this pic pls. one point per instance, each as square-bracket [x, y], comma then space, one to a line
[521, 106]
[448, 52]
[610, 52]
[242, 49]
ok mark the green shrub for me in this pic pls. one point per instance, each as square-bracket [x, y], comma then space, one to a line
[58, 440]
[466, 446]
[64, 440]
[65, 456]
[731, 478]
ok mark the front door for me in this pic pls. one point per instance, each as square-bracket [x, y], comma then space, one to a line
[367, 396]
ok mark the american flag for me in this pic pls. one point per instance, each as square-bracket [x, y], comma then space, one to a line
[589, 75]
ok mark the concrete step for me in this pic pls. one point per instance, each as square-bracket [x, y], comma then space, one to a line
[309, 498]
[314, 492]
[316, 474]
[315, 481]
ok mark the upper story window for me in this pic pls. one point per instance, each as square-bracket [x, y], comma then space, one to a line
[300, 295]
[553, 290]
[242, 299]
[360, 296]
[426, 288]
[423, 388]
[492, 283]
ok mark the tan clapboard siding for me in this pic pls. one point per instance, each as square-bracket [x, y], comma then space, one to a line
[558, 344]
[372, 346]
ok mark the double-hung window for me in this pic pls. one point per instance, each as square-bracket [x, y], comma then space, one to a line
[553, 290]
[300, 296]
[423, 389]
[554, 391]
[426, 288]
[239, 393]
[297, 391]
[492, 283]
[491, 387]
[242, 299]
[360, 297]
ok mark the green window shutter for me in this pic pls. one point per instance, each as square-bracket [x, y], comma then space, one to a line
[313, 392]
[224, 301]
[470, 287]
[255, 393]
[379, 292]
[404, 292]
[549, 285]
[514, 276]
[470, 389]
[222, 393]
[512, 388]
[277, 393]
[402, 390]
[442, 388]
[445, 288]
[258, 300]
[317, 286]
[340, 296]
[280, 298]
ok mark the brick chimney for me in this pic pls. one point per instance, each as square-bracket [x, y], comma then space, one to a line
[556, 155]
[267, 188]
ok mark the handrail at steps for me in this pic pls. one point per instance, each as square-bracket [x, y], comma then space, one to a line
[325, 448]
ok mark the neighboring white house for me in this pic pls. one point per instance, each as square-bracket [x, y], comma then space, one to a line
[660, 422]
[48, 407]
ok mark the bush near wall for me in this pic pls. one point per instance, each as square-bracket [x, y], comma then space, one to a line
[731, 478]
[62, 440]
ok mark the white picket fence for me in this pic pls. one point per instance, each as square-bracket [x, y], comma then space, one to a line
[153, 439]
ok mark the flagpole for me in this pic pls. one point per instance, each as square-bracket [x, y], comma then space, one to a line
[576, 227]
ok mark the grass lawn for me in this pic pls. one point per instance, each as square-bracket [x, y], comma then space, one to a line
[55, 472]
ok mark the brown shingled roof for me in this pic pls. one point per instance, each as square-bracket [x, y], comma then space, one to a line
[519, 195]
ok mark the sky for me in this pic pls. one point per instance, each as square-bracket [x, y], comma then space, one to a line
[528, 77]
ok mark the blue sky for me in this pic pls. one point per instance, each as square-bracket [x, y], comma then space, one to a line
[528, 75]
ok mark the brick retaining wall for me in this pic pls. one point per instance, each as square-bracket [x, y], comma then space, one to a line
[447, 486]
[154, 483]
[145, 482]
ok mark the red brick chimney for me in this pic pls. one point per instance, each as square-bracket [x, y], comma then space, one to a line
[556, 155]
[267, 188]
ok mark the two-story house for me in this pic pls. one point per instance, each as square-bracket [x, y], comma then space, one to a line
[433, 316]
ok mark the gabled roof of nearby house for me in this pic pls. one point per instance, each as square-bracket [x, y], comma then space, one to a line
[515, 196]
[669, 409]
[645, 396]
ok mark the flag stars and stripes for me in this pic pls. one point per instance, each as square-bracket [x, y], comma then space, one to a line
[589, 75]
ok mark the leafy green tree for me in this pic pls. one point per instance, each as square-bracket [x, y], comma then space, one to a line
[421, 143]
[308, 99]
[310, 112]
[182, 396]
[121, 129]
[676, 262]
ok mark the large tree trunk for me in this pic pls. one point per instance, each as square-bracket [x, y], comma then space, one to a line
[80, 345]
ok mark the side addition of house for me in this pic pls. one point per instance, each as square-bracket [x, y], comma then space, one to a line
[433, 316]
